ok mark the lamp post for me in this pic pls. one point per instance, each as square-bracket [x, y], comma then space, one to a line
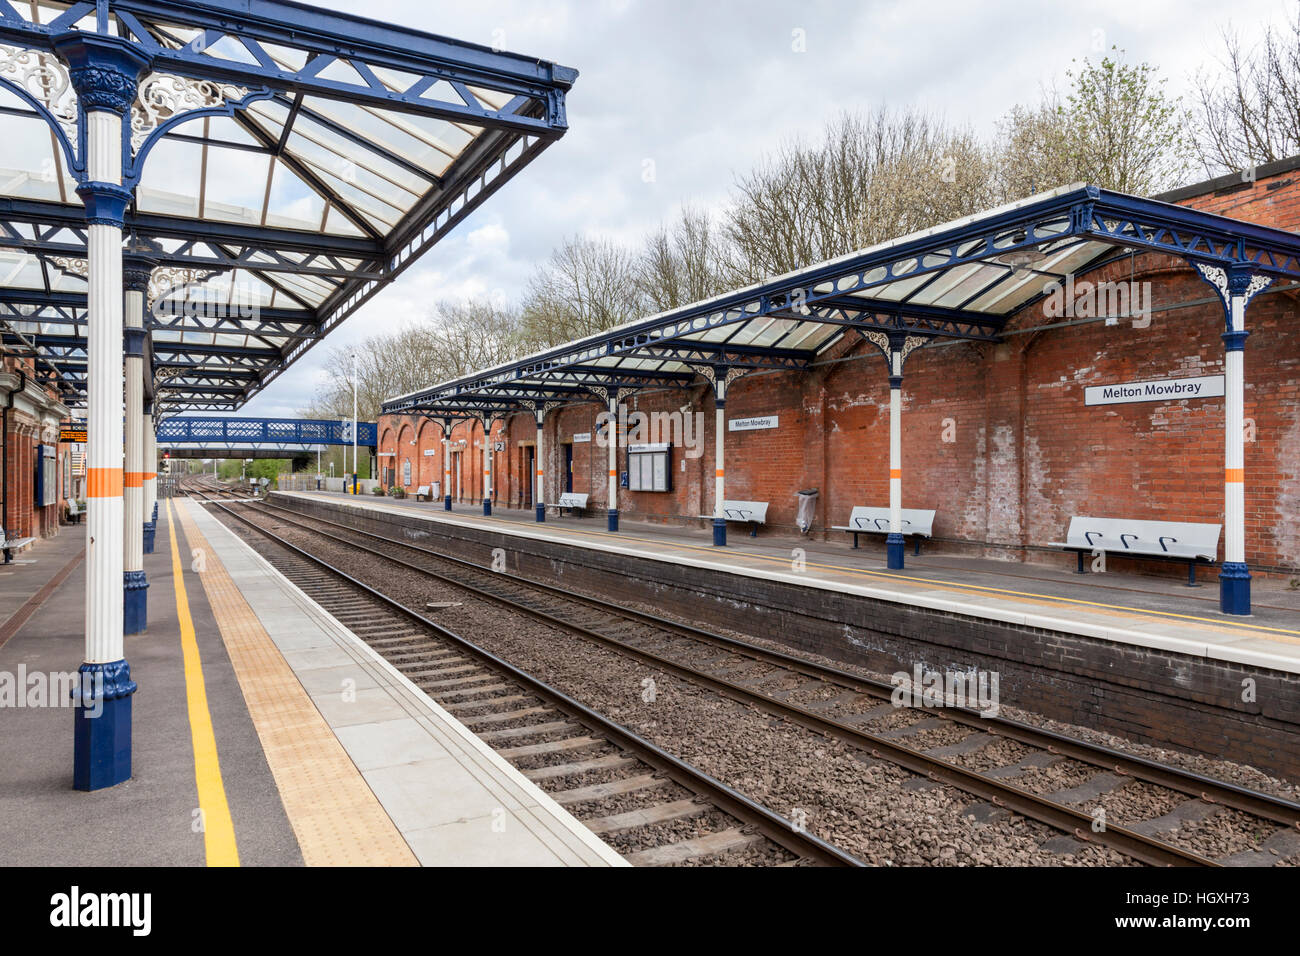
[355, 467]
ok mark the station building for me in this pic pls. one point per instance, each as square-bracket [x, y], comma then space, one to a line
[1104, 397]
[41, 473]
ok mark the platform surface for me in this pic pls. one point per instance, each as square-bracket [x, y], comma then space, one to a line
[1141, 610]
[265, 733]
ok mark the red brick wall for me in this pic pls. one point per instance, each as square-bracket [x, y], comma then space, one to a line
[1023, 452]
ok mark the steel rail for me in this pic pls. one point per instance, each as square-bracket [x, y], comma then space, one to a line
[1191, 783]
[766, 822]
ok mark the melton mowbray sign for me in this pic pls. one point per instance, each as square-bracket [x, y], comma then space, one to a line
[1169, 389]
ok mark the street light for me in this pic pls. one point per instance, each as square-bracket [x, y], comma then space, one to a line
[355, 467]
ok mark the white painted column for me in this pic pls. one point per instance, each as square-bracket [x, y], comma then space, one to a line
[135, 607]
[1234, 574]
[150, 467]
[446, 464]
[539, 460]
[894, 542]
[612, 523]
[487, 466]
[104, 504]
[719, 468]
[104, 70]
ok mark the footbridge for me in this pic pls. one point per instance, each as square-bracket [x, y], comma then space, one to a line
[213, 437]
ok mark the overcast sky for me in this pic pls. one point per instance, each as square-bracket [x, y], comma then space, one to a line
[704, 90]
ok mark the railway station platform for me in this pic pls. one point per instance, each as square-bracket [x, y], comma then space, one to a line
[1143, 610]
[265, 732]
[1143, 657]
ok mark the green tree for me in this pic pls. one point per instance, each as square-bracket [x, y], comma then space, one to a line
[1116, 128]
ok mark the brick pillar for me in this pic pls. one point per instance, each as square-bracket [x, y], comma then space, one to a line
[1004, 426]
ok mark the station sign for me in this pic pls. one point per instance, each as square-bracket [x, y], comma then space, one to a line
[752, 424]
[77, 435]
[1164, 390]
[430, 452]
[581, 437]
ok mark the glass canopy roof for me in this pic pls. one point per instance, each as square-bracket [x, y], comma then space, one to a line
[963, 280]
[293, 161]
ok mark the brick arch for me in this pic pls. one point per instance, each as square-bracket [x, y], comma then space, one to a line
[427, 468]
[405, 435]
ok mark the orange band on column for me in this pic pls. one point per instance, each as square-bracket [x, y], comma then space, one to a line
[151, 476]
[719, 473]
[539, 474]
[1234, 475]
[133, 479]
[103, 482]
[895, 473]
[612, 473]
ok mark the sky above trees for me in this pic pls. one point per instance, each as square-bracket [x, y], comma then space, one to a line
[678, 104]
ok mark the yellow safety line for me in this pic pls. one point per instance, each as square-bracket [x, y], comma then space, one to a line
[937, 585]
[218, 828]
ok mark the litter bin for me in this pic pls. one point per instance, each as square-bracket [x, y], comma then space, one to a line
[807, 509]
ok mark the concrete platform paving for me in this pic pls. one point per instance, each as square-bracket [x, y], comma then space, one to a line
[152, 819]
[289, 768]
[1141, 610]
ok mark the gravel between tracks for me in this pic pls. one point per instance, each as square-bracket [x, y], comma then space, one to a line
[872, 809]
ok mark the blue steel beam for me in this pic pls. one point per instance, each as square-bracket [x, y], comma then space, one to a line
[437, 70]
[279, 431]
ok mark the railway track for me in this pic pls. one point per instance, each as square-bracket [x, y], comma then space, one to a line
[746, 672]
[507, 707]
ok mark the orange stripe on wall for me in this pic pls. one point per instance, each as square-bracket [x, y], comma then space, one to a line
[1234, 475]
[103, 482]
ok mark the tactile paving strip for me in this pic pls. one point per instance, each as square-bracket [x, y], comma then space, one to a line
[334, 814]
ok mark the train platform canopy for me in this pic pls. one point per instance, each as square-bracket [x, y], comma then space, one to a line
[963, 280]
[285, 164]
[960, 280]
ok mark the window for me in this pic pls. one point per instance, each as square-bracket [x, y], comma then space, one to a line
[648, 467]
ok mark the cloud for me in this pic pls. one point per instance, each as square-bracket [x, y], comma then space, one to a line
[705, 90]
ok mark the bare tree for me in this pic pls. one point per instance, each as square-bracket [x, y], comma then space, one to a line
[869, 180]
[465, 337]
[587, 286]
[1249, 114]
[1115, 128]
[683, 263]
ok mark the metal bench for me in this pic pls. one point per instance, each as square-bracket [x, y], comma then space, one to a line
[1158, 540]
[75, 511]
[423, 493]
[572, 501]
[754, 512]
[9, 544]
[863, 520]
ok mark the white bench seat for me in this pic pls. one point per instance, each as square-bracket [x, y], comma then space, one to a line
[574, 501]
[424, 492]
[8, 545]
[1160, 540]
[755, 512]
[865, 520]
[75, 511]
